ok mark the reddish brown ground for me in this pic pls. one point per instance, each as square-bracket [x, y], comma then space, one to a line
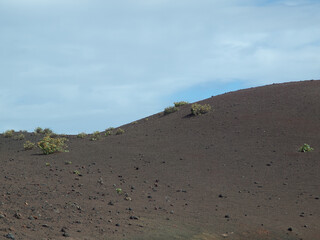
[233, 173]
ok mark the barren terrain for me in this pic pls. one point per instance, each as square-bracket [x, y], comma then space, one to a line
[233, 173]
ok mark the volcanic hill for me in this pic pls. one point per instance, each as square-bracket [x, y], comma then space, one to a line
[232, 173]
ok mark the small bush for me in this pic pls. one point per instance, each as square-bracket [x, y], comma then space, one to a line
[82, 135]
[47, 131]
[19, 137]
[8, 133]
[119, 190]
[198, 109]
[28, 145]
[179, 104]
[95, 136]
[119, 131]
[50, 145]
[108, 133]
[38, 130]
[305, 148]
[169, 110]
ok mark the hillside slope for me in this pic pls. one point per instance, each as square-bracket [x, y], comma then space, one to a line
[233, 173]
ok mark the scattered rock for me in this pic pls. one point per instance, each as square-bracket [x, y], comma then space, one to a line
[100, 181]
[10, 236]
[290, 229]
[181, 190]
[134, 217]
[18, 215]
[224, 235]
[66, 234]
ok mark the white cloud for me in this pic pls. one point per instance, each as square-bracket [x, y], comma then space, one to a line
[69, 59]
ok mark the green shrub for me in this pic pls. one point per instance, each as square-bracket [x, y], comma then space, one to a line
[305, 148]
[38, 130]
[119, 131]
[119, 190]
[47, 131]
[109, 131]
[8, 133]
[95, 136]
[198, 109]
[28, 145]
[82, 135]
[179, 104]
[50, 145]
[19, 137]
[169, 110]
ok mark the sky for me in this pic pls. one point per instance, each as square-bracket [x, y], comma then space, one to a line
[86, 65]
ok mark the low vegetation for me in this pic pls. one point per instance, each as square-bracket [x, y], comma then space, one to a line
[50, 145]
[19, 137]
[198, 109]
[47, 131]
[109, 131]
[38, 130]
[179, 104]
[119, 190]
[305, 148]
[82, 135]
[169, 110]
[95, 136]
[174, 108]
[119, 131]
[28, 145]
[8, 133]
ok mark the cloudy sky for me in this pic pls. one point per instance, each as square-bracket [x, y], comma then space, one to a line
[85, 65]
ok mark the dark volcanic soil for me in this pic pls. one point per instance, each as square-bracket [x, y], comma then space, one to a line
[233, 173]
